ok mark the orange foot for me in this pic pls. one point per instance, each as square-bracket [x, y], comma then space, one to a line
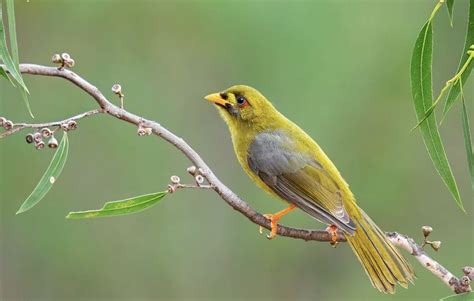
[332, 229]
[274, 220]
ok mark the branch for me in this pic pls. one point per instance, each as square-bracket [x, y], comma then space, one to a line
[458, 285]
[146, 126]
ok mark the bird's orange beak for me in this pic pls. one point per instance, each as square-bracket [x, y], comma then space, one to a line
[217, 99]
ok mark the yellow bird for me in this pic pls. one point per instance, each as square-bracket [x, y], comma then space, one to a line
[284, 161]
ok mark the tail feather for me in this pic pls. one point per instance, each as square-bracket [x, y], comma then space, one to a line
[382, 262]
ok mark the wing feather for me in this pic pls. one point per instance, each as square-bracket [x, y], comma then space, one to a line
[298, 178]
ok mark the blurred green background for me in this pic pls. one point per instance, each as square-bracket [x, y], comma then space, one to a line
[339, 69]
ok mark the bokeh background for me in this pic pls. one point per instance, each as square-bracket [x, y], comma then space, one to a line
[337, 68]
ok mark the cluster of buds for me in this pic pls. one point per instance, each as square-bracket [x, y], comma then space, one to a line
[197, 174]
[426, 232]
[37, 139]
[6, 124]
[63, 59]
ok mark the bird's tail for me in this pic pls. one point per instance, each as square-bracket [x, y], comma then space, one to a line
[382, 262]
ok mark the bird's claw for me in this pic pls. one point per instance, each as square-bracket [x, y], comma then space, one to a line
[271, 234]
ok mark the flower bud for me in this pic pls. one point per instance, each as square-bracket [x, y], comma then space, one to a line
[8, 125]
[148, 131]
[56, 59]
[52, 143]
[29, 138]
[141, 131]
[39, 145]
[46, 132]
[436, 245]
[65, 56]
[175, 179]
[72, 125]
[70, 63]
[191, 170]
[426, 230]
[117, 89]
[64, 127]
[469, 272]
[464, 281]
[199, 179]
[37, 137]
[2, 120]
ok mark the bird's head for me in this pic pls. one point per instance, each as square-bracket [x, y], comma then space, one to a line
[242, 105]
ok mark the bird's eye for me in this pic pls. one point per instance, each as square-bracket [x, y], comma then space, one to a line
[241, 101]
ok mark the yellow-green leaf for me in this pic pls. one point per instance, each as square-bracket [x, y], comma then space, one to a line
[12, 63]
[455, 89]
[122, 207]
[467, 139]
[49, 177]
[421, 85]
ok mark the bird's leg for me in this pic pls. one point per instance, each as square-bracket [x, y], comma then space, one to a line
[332, 229]
[274, 220]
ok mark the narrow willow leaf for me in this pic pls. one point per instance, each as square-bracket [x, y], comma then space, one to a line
[455, 89]
[450, 6]
[49, 177]
[460, 297]
[12, 31]
[14, 50]
[467, 139]
[421, 86]
[5, 55]
[122, 207]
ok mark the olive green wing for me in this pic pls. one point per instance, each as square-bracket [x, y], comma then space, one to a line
[297, 178]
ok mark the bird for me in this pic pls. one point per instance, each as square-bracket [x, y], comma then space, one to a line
[286, 162]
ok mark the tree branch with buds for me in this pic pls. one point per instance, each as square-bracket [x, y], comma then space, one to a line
[200, 170]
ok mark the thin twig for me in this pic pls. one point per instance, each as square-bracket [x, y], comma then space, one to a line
[456, 284]
[21, 126]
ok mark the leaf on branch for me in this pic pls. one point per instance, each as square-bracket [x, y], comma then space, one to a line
[460, 297]
[12, 63]
[49, 177]
[421, 86]
[455, 89]
[450, 6]
[122, 207]
[467, 138]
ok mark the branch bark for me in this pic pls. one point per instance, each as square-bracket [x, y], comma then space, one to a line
[458, 285]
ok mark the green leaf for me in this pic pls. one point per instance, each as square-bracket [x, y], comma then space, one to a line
[49, 177]
[455, 89]
[12, 31]
[4, 74]
[9, 62]
[460, 297]
[450, 6]
[122, 207]
[467, 139]
[421, 86]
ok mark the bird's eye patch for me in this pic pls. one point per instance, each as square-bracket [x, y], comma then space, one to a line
[241, 101]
